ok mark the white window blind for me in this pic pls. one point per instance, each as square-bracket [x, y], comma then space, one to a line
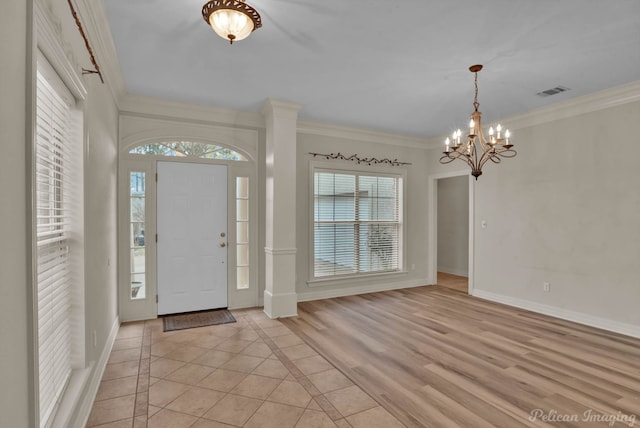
[357, 223]
[53, 178]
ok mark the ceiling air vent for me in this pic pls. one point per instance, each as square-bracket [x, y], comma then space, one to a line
[552, 91]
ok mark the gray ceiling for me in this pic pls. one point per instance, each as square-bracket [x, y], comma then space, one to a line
[395, 66]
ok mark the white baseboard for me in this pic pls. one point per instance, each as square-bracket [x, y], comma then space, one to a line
[94, 383]
[565, 314]
[361, 289]
[453, 271]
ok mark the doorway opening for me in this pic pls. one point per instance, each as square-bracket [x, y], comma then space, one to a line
[452, 231]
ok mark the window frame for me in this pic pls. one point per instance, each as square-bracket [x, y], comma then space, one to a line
[69, 389]
[357, 170]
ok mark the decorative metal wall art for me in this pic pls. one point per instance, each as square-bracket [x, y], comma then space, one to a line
[359, 160]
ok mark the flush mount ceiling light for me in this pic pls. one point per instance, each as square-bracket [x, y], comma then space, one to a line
[231, 19]
[477, 150]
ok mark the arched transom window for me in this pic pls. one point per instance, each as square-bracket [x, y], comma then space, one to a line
[188, 149]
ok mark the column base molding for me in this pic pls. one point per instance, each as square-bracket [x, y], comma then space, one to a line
[280, 305]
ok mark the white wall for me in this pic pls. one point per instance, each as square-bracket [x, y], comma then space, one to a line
[453, 225]
[14, 357]
[100, 207]
[100, 216]
[565, 211]
[415, 215]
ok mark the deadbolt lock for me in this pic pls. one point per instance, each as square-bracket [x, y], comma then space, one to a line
[222, 234]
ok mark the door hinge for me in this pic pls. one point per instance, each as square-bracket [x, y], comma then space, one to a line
[156, 298]
[156, 177]
[156, 237]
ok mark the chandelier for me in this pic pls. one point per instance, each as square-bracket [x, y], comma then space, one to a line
[477, 150]
[231, 19]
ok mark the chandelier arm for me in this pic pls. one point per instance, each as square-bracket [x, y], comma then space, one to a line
[461, 155]
[508, 153]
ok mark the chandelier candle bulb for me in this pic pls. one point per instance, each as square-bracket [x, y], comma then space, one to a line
[478, 150]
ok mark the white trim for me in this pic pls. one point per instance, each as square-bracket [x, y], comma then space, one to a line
[149, 107]
[577, 106]
[244, 141]
[453, 271]
[280, 251]
[281, 108]
[280, 305]
[432, 233]
[565, 314]
[72, 396]
[352, 291]
[400, 173]
[346, 280]
[49, 41]
[98, 372]
[589, 103]
[96, 26]
[359, 134]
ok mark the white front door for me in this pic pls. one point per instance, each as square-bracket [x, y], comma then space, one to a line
[192, 237]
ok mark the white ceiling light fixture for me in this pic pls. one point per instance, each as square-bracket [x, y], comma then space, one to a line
[477, 150]
[231, 19]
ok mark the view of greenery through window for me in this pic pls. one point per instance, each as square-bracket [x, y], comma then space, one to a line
[188, 149]
[136, 234]
[137, 208]
[357, 223]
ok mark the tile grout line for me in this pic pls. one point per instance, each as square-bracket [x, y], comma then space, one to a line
[316, 395]
[141, 408]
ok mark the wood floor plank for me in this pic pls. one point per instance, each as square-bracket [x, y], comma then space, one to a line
[435, 357]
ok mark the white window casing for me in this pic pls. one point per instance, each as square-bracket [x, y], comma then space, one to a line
[357, 223]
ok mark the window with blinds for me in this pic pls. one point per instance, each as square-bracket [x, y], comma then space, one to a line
[357, 223]
[54, 180]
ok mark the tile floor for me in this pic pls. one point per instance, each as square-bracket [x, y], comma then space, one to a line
[254, 373]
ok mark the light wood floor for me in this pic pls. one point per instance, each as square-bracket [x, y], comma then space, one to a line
[438, 358]
[455, 282]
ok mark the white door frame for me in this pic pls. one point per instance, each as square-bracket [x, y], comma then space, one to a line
[432, 239]
[133, 310]
[194, 297]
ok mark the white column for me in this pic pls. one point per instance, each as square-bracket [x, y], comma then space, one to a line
[280, 299]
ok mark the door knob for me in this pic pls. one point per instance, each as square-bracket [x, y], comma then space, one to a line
[222, 244]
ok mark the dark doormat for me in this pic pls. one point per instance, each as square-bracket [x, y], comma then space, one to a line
[196, 319]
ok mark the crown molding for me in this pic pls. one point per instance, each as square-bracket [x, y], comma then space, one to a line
[58, 51]
[590, 103]
[596, 101]
[360, 134]
[149, 107]
[283, 108]
[96, 26]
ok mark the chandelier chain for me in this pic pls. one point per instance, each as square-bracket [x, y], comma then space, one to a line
[476, 104]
